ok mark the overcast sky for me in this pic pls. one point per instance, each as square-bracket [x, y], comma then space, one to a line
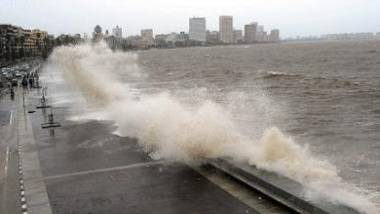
[292, 17]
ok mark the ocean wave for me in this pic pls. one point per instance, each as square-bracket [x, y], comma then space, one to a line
[277, 74]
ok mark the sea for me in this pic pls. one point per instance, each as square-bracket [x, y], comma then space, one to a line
[306, 110]
[324, 94]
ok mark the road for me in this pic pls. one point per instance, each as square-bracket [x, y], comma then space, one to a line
[9, 185]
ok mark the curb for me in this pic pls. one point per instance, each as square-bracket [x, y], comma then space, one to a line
[283, 190]
[33, 193]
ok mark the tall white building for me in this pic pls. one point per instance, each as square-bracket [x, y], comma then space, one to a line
[250, 32]
[260, 33]
[260, 28]
[147, 36]
[226, 29]
[197, 29]
[117, 32]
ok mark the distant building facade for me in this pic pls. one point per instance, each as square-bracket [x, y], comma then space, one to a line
[182, 39]
[147, 37]
[250, 31]
[97, 35]
[260, 33]
[39, 37]
[16, 43]
[238, 36]
[274, 35]
[197, 29]
[213, 37]
[171, 38]
[117, 32]
[136, 42]
[160, 40]
[115, 43]
[349, 36]
[226, 29]
[115, 39]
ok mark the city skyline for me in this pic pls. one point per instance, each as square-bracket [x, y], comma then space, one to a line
[295, 18]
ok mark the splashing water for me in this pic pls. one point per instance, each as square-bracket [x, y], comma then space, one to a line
[169, 129]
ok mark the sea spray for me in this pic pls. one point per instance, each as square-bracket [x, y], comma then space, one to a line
[169, 129]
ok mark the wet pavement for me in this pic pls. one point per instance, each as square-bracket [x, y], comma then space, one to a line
[9, 186]
[86, 169]
[144, 189]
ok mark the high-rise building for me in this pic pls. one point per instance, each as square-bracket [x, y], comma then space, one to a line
[265, 36]
[238, 36]
[197, 29]
[226, 29]
[250, 31]
[260, 28]
[147, 36]
[260, 33]
[117, 32]
[274, 35]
